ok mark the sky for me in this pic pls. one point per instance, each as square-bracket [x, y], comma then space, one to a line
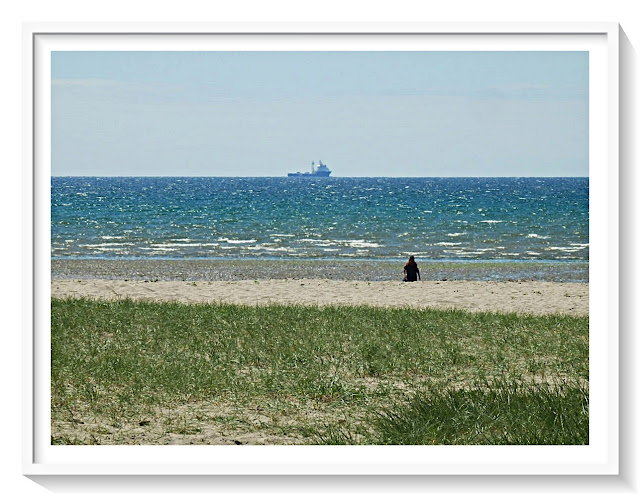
[390, 114]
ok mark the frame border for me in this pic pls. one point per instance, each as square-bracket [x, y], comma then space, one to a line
[31, 270]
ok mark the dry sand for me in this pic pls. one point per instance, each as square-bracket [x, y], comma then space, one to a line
[530, 297]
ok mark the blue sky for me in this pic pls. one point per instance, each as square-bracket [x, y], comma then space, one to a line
[362, 113]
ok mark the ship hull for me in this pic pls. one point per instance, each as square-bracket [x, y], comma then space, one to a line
[309, 174]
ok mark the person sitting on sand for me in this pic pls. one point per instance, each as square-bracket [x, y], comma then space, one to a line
[411, 271]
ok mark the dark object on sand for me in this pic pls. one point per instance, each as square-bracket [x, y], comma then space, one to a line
[411, 271]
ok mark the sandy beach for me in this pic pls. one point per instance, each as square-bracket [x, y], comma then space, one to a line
[528, 297]
[229, 420]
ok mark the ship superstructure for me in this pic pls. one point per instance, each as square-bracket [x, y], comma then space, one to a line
[320, 170]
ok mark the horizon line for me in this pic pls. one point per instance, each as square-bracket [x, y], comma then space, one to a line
[328, 178]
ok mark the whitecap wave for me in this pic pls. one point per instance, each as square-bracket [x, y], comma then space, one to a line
[237, 241]
[539, 236]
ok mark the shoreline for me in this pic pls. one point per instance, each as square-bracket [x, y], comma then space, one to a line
[338, 270]
[526, 297]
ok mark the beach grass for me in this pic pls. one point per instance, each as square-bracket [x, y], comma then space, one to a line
[134, 372]
[501, 412]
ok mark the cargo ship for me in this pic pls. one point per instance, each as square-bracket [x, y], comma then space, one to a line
[320, 170]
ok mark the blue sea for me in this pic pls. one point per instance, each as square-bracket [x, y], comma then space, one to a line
[449, 219]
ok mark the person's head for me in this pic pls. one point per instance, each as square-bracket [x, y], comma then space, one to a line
[412, 258]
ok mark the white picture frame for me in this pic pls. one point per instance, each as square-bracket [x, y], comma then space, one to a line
[600, 457]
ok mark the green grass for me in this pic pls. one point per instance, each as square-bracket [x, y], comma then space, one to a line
[502, 413]
[130, 372]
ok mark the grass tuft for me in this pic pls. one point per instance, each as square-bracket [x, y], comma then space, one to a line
[502, 413]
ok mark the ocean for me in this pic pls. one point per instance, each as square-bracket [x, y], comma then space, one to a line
[386, 219]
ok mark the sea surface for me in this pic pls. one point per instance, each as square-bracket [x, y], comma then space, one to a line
[435, 219]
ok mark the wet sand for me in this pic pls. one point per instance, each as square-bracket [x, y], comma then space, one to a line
[344, 270]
